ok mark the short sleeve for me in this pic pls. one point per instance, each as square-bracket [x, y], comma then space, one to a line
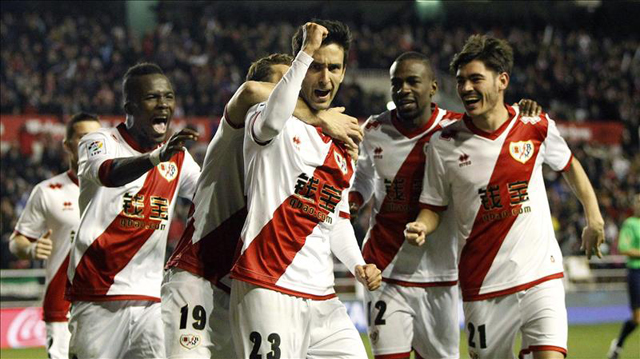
[190, 175]
[557, 153]
[625, 238]
[93, 150]
[32, 221]
[435, 188]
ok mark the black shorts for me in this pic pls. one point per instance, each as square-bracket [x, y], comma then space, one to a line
[633, 280]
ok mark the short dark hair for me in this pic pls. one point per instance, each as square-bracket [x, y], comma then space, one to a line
[138, 70]
[78, 117]
[260, 70]
[339, 34]
[416, 56]
[496, 54]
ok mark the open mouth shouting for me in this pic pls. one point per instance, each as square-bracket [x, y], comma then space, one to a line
[471, 102]
[322, 95]
[159, 124]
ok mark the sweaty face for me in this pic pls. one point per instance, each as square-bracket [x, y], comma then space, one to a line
[324, 76]
[152, 107]
[79, 129]
[412, 86]
[480, 88]
[277, 71]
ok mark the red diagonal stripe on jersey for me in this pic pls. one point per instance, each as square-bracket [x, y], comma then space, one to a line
[212, 256]
[114, 249]
[486, 237]
[273, 249]
[54, 306]
[386, 237]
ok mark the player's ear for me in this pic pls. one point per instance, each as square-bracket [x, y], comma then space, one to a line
[434, 87]
[129, 108]
[503, 81]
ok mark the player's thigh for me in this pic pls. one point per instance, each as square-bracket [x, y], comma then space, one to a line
[219, 323]
[187, 315]
[390, 318]
[266, 323]
[544, 319]
[491, 326]
[633, 282]
[98, 330]
[436, 326]
[333, 334]
[147, 334]
[58, 337]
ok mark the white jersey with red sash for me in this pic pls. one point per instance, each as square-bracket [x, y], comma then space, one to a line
[299, 182]
[495, 184]
[208, 244]
[391, 169]
[118, 253]
[53, 204]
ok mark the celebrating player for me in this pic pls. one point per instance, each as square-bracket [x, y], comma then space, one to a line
[129, 180]
[283, 303]
[196, 282]
[416, 306]
[46, 229]
[629, 245]
[488, 167]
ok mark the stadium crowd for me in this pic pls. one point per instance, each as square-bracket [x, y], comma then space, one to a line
[61, 65]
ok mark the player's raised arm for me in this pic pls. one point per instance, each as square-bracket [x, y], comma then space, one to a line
[593, 233]
[120, 171]
[282, 101]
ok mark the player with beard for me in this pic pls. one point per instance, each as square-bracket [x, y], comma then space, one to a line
[283, 303]
[195, 292]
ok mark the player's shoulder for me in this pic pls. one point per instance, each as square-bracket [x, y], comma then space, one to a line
[449, 131]
[54, 183]
[375, 122]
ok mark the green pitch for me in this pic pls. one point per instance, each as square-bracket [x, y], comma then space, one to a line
[585, 342]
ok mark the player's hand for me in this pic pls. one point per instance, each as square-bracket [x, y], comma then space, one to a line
[529, 108]
[369, 275]
[42, 247]
[312, 36]
[414, 233]
[341, 127]
[592, 238]
[176, 143]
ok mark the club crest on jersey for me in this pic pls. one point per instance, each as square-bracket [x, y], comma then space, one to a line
[342, 163]
[521, 151]
[95, 148]
[190, 341]
[168, 170]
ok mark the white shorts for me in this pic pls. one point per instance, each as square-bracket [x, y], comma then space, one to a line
[538, 312]
[196, 317]
[405, 318]
[58, 337]
[113, 330]
[270, 324]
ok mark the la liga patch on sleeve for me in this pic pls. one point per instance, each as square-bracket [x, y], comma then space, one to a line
[96, 148]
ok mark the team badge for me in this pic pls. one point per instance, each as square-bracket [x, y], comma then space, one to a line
[95, 148]
[168, 170]
[190, 341]
[521, 151]
[342, 163]
[374, 336]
